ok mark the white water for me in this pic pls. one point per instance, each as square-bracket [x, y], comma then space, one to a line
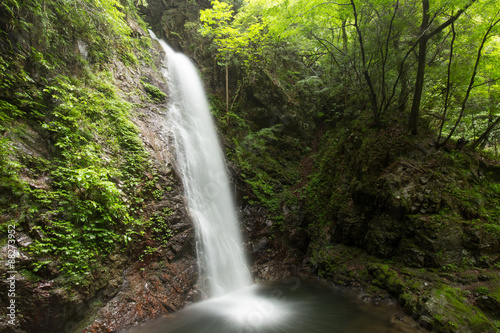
[203, 173]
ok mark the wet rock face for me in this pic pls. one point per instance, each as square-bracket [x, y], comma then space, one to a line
[427, 213]
[168, 18]
[131, 286]
[162, 280]
[271, 253]
[50, 305]
[149, 290]
[489, 304]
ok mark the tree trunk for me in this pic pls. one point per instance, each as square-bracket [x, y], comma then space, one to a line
[344, 37]
[385, 57]
[425, 35]
[404, 90]
[366, 74]
[344, 49]
[227, 95]
[448, 86]
[419, 83]
[491, 106]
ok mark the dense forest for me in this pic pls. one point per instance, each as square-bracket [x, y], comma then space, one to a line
[362, 139]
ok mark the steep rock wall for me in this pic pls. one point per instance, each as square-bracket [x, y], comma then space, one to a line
[87, 161]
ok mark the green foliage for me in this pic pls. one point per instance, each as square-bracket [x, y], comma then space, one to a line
[95, 183]
[18, 94]
[232, 37]
[268, 173]
[331, 39]
[482, 290]
[9, 171]
[129, 59]
[85, 210]
[160, 225]
[154, 92]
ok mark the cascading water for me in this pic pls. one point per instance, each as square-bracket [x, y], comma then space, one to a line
[203, 173]
[235, 304]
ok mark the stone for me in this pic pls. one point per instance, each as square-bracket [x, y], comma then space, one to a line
[260, 245]
[488, 303]
[414, 258]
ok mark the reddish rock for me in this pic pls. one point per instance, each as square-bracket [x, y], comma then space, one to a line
[148, 292]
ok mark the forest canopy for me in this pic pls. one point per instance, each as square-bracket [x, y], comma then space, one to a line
[427, 63]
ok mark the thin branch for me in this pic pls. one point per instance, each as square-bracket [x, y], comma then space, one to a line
[401, 68]
[321, 41]
[366, 74]
[323, 4]
[471, 83]
[438, 49]
[452, 19]
[486, 82]
[486, 133]
[327, 41]
[385, 57]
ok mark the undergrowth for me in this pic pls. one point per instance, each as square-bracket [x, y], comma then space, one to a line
[74, 174]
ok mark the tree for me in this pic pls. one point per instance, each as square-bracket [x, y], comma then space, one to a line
[426, 33]
[366, 74]
[372, 55]
[471, 83]
[230, 39]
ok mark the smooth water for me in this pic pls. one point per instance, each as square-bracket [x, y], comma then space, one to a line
[293, 306]
[204, 177]
[235, 305]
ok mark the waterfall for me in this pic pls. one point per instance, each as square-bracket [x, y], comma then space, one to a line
[236, 305]
[202, 167]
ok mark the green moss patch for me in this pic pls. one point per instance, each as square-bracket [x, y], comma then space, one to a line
[154, 92]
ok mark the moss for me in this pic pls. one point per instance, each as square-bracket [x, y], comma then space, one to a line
[154, 92]
[129, 59]
[452, 312]
[468, 277]
[333, 262]
[409, 301]
[495, 293]
[387, 278]
[30, 276]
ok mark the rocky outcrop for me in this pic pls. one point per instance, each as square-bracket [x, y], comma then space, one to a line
[391, 213]
[169, 17]
[149, 291]
[408, 201]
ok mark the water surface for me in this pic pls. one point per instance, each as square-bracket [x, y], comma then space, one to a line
[292, 306]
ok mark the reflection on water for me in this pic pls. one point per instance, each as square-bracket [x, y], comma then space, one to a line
[288, 307]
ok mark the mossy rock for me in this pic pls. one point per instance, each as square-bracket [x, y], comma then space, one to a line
[387, 278]
[449, 311]
[489, 301]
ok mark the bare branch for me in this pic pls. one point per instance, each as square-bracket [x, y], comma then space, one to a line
[486, 82]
